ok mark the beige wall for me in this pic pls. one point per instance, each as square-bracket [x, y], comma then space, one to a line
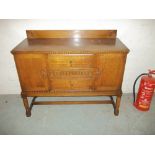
[138, 35]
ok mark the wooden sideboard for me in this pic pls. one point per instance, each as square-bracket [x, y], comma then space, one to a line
[70, 63]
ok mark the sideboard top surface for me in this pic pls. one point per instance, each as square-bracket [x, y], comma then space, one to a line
[89, 41]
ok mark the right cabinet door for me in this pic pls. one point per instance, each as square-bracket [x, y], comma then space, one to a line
[110, 71]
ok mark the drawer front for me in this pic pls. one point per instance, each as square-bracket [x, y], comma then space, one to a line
[72, 79]
[71, 60]
[72, 85]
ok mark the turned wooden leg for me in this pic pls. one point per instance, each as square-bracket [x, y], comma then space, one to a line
[118, 100]
[26, 105]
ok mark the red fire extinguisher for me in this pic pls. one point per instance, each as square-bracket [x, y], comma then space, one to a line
[145, 92]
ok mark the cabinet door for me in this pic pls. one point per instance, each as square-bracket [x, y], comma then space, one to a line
[111, 69]
[32, 70]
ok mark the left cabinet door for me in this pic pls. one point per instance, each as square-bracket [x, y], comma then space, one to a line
[32, 71]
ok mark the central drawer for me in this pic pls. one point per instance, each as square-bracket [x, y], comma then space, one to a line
[71, 60]
[72, 85]
[71, 72]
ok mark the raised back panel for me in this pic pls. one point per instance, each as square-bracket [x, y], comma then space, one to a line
[71, 34]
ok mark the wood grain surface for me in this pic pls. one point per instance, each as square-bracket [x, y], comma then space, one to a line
[56, 63]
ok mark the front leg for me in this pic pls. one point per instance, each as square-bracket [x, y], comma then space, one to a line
[118, 100]
[26, 105]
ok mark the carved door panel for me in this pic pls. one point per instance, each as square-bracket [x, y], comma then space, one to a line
[31, 68]
[111, 69]
[71, 72]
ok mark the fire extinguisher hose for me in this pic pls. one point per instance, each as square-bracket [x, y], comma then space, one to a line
[135, 85]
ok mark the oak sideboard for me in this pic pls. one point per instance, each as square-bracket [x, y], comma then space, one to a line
[75, 63]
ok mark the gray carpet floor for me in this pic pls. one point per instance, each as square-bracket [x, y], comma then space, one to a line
[74, 119]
